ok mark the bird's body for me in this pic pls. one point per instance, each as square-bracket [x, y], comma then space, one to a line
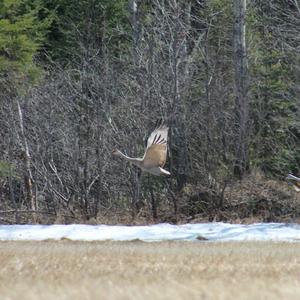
[295, 181]
[155, 155]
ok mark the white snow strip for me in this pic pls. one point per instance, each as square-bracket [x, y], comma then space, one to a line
[159, 232]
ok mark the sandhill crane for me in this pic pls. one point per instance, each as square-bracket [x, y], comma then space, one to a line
[295, 181]
[155, 155]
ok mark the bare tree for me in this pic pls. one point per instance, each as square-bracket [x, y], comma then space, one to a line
[28, 179]
[241, 88]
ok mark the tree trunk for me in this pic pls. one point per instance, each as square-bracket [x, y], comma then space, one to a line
[179, 57]
[11, 187]
[27, 164]
[135, 22]
[241, 89]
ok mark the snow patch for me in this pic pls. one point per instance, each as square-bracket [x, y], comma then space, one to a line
[159, 232]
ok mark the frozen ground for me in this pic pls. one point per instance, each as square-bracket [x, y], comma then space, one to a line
[159, 232]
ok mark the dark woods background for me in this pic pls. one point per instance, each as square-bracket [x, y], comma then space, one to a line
[79, 78]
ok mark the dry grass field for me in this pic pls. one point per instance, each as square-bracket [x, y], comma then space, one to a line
[137, 270]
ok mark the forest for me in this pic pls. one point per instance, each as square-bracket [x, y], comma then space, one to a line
[81, 78]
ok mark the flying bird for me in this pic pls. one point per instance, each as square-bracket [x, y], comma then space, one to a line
[155, 155]
[295, 181]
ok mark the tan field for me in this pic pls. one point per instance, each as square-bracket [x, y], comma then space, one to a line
[137, 270]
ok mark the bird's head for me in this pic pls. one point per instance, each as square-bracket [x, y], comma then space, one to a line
[116, 152]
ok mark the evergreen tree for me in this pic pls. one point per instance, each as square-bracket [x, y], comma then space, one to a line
[275, 146]
[83, 24]
[22, 31]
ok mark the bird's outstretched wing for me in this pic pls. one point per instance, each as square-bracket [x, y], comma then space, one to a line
[157, 144]
[158, 136]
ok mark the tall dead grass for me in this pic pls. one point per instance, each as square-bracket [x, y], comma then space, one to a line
[136, 270]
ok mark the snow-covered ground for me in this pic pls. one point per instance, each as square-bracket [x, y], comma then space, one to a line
[159, 232]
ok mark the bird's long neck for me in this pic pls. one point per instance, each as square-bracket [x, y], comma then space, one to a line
[135, 161]
[290, 176]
